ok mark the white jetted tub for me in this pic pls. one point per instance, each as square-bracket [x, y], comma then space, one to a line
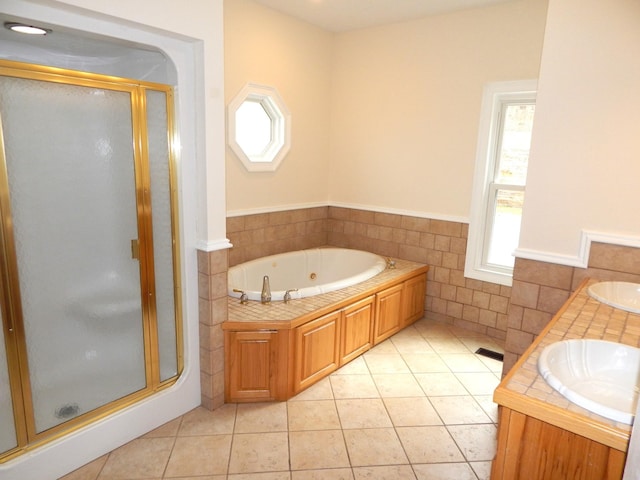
[311, 272]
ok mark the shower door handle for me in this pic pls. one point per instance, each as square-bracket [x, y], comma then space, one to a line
[135, 249]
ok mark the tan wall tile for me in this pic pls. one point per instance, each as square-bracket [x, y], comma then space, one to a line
[525, 294]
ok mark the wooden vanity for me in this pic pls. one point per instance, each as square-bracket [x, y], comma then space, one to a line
[274, 351]
[542, 435]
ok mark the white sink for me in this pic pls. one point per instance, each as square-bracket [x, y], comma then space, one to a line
[623, 295]
[597, 375]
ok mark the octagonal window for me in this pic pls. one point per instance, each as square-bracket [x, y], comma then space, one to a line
[259, 128]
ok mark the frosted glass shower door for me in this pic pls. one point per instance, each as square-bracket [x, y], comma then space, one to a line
[70, 164]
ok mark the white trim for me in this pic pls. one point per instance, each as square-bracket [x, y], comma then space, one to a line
[398, 211]
[213, 245]
[273, 209]
[587, 237]
[369, 208]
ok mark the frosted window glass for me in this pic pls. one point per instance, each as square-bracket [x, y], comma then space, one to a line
[7, 425]
[71, 175]
[162, 231]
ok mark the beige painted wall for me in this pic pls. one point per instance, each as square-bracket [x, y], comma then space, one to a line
[584, 171]
[266, 47]
[406, 104]
[399, 105]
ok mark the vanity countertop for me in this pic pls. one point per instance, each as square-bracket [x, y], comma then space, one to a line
[524, 390]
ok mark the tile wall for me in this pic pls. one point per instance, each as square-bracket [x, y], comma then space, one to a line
[514, 314]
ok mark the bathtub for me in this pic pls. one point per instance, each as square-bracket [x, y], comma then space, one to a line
[311, 272]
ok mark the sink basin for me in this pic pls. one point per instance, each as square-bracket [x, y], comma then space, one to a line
[597, 375]
[623, 295]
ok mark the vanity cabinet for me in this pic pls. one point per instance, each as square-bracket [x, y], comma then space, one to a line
[274, 360]
[529, 449]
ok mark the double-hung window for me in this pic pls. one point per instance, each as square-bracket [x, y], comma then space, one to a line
[499, 183]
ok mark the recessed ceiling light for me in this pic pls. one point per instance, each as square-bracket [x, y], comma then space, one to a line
[24, 28]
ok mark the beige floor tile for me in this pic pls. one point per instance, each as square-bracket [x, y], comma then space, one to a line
[202, 421]
[479, 383]
[412, 412]
[385, 347]
[488, 405]
[141, 458]
[414, 344]
[397, 385]
[317, 450]
[494, 365]
[387, 472]
[430, 329]
[90, 471]
[444, 471]
[255, 476]
[477, 442]
[353, 386]
[438, 384]
[447, 345]
[459, 410]
[259, 452]
[386, 363]
[324, 474]
[261, 417]
[357, 366]
[199, 455]
[463, 362]
[319, 391]
[169, 429]
[473, 343]
[425, 362]
[374, 446]
[482, 469]
[363, 413]
[429, 445]
[313, 415]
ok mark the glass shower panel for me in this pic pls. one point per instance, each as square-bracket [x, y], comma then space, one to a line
[69, 154]
[159, 162]
[7, 424]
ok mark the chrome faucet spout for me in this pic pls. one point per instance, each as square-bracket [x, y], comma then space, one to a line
[265, 297]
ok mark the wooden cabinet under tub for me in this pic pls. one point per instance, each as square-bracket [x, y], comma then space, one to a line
[275, 351]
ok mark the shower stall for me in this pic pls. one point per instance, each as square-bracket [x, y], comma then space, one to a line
[89, 270]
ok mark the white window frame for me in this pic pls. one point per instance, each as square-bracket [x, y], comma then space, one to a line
[495, 96]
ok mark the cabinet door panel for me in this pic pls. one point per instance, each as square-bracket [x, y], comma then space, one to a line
[251, 365]
[356, 330]
[413, 298]
[388, 313]
[317, 353]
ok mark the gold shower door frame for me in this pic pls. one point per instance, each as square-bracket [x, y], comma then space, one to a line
[13, 325]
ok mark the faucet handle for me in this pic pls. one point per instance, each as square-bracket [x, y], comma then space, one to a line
[287, 295]
[391, 264]
[244, 298]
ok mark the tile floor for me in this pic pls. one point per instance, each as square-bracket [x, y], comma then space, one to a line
[418, 406]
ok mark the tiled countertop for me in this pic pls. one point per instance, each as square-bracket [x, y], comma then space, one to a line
[285, 315]
[524, 390]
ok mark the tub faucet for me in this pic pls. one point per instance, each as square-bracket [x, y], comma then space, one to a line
[265, 297]
[244, 298]
[287, 295]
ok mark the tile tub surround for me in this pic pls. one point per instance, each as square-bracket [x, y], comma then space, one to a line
[524, 387]
[424, 382]
[451, 298]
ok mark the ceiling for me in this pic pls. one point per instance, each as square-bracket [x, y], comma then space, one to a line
[344, 15]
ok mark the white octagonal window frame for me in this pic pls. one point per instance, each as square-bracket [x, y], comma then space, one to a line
[269, 159]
